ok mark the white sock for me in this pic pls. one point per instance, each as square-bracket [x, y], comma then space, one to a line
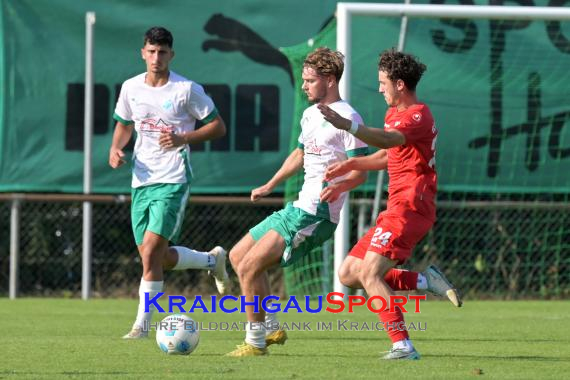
[190, 259]
[152, 288]
[422, 281]
[404, 344]
[255, 334]
[271, 322]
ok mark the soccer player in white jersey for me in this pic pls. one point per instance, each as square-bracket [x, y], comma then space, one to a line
[163, 107]
[288, 234]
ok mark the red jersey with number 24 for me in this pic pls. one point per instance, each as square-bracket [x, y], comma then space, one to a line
[411, 167]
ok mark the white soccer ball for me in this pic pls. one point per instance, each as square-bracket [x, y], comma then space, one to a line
[177, 334]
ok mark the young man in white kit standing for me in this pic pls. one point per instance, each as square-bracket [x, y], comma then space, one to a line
[163, 107]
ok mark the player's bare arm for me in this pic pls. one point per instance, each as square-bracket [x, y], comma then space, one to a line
[376, 161]
[121, 137]
[334, 190]
[372, 136]
[211, 131]
[292, 164]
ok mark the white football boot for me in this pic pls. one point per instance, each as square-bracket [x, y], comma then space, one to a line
[219, 272]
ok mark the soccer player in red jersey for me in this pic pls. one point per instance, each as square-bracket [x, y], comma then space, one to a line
[407, 151]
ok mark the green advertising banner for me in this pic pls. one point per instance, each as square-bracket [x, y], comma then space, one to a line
[498, 89]
[230, 47]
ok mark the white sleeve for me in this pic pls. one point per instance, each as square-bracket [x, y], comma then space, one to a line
[123, 112]
[200, 105]
[300, 141]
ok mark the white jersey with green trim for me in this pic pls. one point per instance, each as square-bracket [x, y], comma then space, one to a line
[323, 145]
[174, 107]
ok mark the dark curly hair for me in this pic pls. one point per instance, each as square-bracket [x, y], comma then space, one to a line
[326, 62]
[402, 66]
[157, 35]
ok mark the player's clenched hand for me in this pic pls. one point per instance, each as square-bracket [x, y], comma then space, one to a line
[260, 192]
[334, 118]
[331, 193]
[170, 140]
[337, 169]
[116, 158]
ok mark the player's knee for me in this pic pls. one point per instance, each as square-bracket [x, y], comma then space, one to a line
[235, 259]
[243, 271]
[247, 269]
[345, 275]
[369, 277]
[150, 256]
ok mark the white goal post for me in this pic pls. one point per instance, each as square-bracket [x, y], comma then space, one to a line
[344, 14]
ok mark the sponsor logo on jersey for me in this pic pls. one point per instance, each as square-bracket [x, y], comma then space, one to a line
[312, 148]
[152, 125]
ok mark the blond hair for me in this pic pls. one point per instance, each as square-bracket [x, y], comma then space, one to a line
[326, 62]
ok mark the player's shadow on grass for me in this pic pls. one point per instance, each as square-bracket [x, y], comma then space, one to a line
[463, 339]
[344, 339]
[70, 373]
[374, 354]
[348, 355]
[500, 357]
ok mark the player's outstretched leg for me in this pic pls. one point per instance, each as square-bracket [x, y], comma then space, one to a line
[219, 272]
[439, 285]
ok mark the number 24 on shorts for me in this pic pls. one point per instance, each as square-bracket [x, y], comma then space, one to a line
[380, 238]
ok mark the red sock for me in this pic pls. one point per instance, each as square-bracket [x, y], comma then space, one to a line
[399, 279]
[394, 324]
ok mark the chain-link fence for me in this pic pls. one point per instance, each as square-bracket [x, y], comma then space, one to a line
[50, 244]
[506, 245]
[513, 249]
[490, 247]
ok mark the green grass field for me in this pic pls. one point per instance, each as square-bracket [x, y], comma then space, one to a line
[49, 338]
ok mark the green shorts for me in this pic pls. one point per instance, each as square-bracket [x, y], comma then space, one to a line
[159, 208]
[302, 231]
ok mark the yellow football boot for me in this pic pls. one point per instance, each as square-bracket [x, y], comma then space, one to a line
[246, 349]
[276, 337]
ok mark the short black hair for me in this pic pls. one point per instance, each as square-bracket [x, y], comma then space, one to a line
[402, 66]
[157, 35]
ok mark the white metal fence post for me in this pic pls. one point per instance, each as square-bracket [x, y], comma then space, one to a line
[88, 132]
[14, 248]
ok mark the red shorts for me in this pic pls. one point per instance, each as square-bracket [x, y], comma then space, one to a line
[394, 236]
